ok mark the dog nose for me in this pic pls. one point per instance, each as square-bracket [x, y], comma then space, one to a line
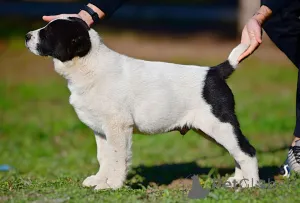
[28, 36]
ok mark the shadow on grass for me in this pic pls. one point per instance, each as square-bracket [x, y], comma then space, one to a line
[166, 173]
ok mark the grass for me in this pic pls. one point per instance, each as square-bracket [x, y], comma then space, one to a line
[52, 152]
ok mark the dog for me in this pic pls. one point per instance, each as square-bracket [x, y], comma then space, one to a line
[116, 95]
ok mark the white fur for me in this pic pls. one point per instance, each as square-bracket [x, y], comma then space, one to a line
[236, 53]
[32, 43]
[115, 95]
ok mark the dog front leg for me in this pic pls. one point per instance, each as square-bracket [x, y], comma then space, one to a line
[114, 156]
[102, 155]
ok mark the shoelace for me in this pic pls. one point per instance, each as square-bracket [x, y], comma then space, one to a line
[296, 152]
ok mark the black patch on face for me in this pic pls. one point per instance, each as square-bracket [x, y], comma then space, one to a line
[64, 39]
[217, 93]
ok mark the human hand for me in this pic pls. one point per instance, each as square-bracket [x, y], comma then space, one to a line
[252, 32]
[252, 36]
[82, 14]
[86, 17]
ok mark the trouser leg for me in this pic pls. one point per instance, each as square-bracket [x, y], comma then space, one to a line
[284, 30]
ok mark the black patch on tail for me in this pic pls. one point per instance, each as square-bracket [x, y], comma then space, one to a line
[224, 70]
[217, 93]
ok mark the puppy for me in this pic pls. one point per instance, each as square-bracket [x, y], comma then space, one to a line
[116, 95]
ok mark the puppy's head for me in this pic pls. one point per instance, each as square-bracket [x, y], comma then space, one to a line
[62, 39]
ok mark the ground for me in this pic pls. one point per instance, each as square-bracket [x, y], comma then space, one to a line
[51, 151]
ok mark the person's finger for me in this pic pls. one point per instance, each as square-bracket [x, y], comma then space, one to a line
[253, 46]
[258, 36]
[53, 17]
[50, 18]
[255, 39]
[245, 36]
[243, 56]
[248, 52]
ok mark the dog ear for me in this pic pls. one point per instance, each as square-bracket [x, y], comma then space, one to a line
[61, 53]
[80, 46]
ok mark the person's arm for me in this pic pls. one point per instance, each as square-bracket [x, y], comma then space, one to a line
[107, 6]
[104, 8]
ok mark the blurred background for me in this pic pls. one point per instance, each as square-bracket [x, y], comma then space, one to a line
[41, 137]
[152, 15]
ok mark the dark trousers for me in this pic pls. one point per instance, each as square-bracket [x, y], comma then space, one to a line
[284, 30]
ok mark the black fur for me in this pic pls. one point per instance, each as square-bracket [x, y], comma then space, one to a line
[224, 70]
[64, 39]
[217, 93]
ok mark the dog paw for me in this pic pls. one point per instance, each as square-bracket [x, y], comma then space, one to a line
[91, 181]
[106, 185]
[235, 182]
[103, 186]
[249, 182]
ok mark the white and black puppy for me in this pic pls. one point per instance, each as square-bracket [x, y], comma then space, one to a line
[116, 95]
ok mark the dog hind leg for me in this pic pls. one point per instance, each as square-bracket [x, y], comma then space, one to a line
[217, 119]
[246, 173]
[238, 174]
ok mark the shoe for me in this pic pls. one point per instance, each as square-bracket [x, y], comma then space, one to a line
[292, 162]
[285, 170]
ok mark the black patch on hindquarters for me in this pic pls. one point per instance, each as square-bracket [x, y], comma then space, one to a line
[64, 39]
[219, 96]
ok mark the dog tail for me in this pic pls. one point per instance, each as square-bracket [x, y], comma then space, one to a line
[236, 53]
[227, 68]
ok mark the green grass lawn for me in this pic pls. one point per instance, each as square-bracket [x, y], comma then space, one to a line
[52, 152]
